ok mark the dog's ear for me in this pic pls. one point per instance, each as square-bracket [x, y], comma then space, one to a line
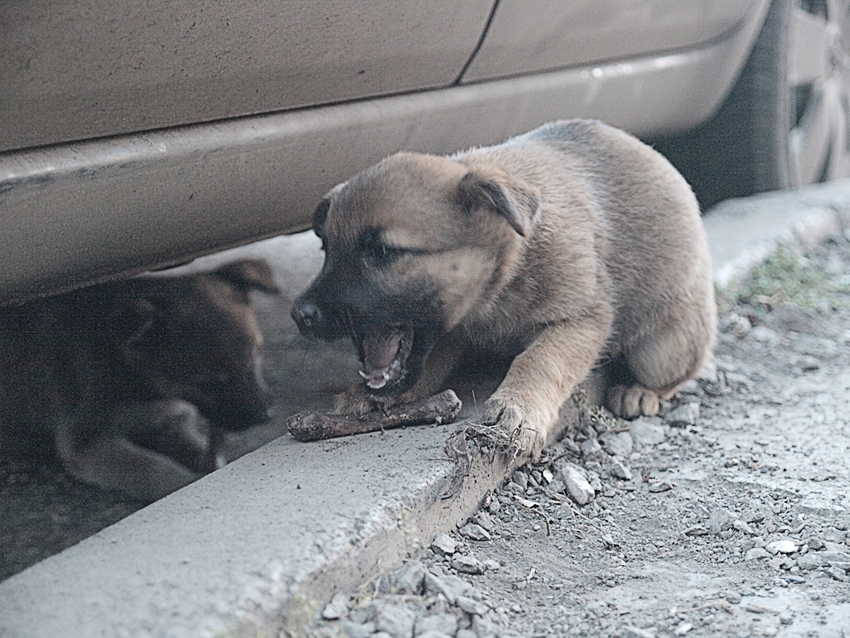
[248, 274]
[321, 212]
[497, 191]
[137, 326]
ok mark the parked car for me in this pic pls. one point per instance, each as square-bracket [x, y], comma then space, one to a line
[138, 135]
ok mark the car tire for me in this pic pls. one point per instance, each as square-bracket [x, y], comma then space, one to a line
[785, 122]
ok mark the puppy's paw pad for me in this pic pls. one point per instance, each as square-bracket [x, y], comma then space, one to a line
[632, 401]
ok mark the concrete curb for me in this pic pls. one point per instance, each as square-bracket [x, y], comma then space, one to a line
[258, 547]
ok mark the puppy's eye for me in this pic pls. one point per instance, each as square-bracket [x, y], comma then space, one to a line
[376, 253]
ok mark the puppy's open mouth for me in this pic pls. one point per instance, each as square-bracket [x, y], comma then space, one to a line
[384, 352]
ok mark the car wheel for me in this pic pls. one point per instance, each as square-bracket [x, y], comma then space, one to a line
[786, 122]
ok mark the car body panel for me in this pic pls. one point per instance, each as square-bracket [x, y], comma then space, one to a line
[527, 36]
[93, 68]
[93, 210]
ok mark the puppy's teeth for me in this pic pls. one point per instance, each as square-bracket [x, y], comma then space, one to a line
[377, 385]
[386, 376]
[363, 374]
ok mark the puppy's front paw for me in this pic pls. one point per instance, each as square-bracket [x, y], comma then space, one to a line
[527, 427]
[631, 401]
[354, 402]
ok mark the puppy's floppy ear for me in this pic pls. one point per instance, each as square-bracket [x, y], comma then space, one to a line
[248, 274]
[137, 326]
[321, 212]
[495, 190]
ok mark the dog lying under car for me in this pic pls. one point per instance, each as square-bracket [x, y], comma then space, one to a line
[128, 383]
[572, 246]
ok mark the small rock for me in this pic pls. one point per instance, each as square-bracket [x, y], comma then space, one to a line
[636, 632]
[686, 414]
[757, 553]
[440, 623]
[557, 485]
[468, 565]
[449, 586]
[358, 630]
[396, 620]
[483, 627]
[617, 443]
[690, 387]
[471, 606]
[660, 486]
[444, 545]
[475, 532]
[683, 628]
[521, 479]
[786, 618]
[484, 520]
[647, 431]
[742, 526]
[696, 530]
[809, 561]
[717, 521]
[434, 634]
[466, 633]
[492, 565]
[784, 546]
[577, 485]
[590, 447]
[732, 597]
[838, 574]
[411, 578]
[620, 470]
[337, 608]
[815, 544]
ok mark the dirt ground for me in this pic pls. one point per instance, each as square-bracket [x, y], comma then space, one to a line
[726, 516]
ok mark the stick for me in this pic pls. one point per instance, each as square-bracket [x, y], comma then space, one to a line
[313, 426]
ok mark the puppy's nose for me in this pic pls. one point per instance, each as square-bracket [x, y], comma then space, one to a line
[306, 315]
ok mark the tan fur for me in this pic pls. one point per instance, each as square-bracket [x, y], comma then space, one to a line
[124, 382]
[571, 246]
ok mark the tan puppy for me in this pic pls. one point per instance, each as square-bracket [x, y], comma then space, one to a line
[123, 381]
[571, 246]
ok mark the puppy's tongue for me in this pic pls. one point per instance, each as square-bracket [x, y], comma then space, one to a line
[382, 354]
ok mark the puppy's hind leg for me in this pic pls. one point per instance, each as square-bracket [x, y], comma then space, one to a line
[656, 367]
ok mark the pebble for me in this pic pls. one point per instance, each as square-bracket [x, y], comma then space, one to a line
[590, 447]
[468, 565]
[437, 623]
[337, 608]
[635, 632]
[444, 545]
[617, 443]
[648, 431]
[577, 485]
[620, 470]
[475, 532]
[471, 606]
[449, 586]
[521, 479]
[784, 546]
[717, 521]
[683, 628]
[492, 565]
[484, 520]
[742, 526]
[731, 597]
[660, 486]
[411, 579]
[434, 634]
[757, 553]
[686, 414]
[358, 630]
[395, 620]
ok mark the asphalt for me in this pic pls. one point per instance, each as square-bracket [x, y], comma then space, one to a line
[261, 545]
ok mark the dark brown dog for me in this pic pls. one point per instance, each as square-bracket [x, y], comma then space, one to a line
[569, 246]
[124, 380]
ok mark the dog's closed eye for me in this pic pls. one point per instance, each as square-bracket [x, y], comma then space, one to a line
[377, 253]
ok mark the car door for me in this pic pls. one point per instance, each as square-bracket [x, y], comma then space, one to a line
[94, 68]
